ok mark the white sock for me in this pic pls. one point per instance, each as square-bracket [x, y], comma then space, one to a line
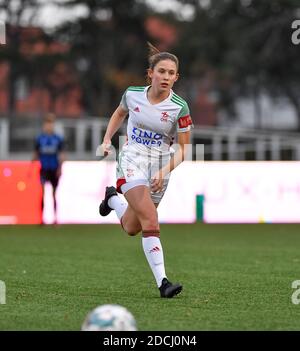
[118, 204]
[154, 253]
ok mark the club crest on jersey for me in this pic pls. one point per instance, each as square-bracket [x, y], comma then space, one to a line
[164, 117]
[137, 109]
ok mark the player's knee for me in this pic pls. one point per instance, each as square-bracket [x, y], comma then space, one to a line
[149, 219]
[132, 231]
[150, 222]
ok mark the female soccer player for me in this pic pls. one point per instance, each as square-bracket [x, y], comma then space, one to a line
[156, 113]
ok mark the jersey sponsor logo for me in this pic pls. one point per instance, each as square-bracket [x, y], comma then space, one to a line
[48, 149]
[146, 137]
[48, 145]
[137, 109]
[164, 117]
[185, 121]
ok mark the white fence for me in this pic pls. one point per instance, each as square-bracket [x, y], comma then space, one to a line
[84, 135]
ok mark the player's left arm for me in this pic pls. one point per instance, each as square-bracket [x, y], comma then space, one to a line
[184, 123]
[178, 157]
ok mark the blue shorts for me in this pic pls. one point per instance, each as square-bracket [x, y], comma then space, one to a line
[49, 175]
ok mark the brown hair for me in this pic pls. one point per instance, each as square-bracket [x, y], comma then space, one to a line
[155, 56]
[49, 118]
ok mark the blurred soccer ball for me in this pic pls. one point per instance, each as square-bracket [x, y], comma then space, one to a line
[109, 318]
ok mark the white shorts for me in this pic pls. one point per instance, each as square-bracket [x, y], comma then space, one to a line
[135, 169]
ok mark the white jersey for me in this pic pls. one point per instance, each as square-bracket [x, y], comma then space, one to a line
[152, 127]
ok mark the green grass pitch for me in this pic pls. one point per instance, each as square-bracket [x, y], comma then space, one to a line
[235, 277]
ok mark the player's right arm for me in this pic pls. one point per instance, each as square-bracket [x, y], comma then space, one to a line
[114, 124]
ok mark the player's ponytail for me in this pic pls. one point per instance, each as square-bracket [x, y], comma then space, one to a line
[152, 50]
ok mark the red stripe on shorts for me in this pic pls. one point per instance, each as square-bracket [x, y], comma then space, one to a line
[120, 182]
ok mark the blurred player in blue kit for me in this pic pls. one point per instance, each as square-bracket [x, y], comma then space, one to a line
[49, 150]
